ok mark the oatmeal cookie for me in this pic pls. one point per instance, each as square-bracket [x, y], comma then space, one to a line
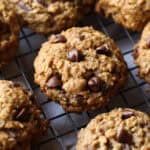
[20, 120]
[46, 16]
[132, 14]
[80, 68]
[142, 54]
[9, 33]
[120, 129]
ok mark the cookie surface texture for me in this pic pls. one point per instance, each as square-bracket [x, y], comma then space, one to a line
[120, 129]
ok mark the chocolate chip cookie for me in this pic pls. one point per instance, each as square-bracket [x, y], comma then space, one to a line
[9, 33]
[120, 129]
[132, 14]
[142, 54]
[20, 120]
[80, 68]
[46, 16]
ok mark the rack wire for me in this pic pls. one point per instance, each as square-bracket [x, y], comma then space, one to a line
[63, 126]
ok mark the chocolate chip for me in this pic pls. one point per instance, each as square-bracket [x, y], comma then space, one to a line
[54, 82]
[17, 84]
[104, 50]
[24, 6]
[79, 98]
[22, 114]
[94, 84]
[74, 55]
[58, 38]
[42, 2]
[82, 37]
[127, 114]
[89, 74]
[32, 98]
[126, 147]
[123, 136]
[109, 145]
[148, 42]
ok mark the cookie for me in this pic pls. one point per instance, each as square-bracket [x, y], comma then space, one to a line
[80, 68]
[142, 54]
[45, 16]
[9, 33]
[132, 14]
[119, 129]
[20, 120]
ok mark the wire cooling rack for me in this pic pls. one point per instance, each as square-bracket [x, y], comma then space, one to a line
[63, 126]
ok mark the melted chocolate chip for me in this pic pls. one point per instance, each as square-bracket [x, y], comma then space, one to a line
[54, 82]
[104, 50]
[58, 38]
[148, 42]
[17, 84]
[42, 2]
[127, 114]
[109, 145]
[22, 114]
[82, 37]
[79, 98]
[74, 55]
[32, 98]
[89, 74]
[123, 136]
[95, 84]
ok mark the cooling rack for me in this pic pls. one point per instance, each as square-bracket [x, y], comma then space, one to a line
[63, 126]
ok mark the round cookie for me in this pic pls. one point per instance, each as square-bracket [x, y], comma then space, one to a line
[132, 14]
[9, 33]
[120, 129]
[142, 54]
[46, 16]
[80, 68]
[20, 120]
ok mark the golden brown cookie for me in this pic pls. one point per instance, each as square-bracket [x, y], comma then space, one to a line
[132, 14]
[120, 129]
[46, 16]
[142, 54]
[9, 34]
[20, 120]
[80, 68]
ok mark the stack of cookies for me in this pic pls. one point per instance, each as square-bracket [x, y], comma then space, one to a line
[78, 67]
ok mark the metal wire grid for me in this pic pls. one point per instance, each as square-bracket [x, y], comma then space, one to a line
[63, 126]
